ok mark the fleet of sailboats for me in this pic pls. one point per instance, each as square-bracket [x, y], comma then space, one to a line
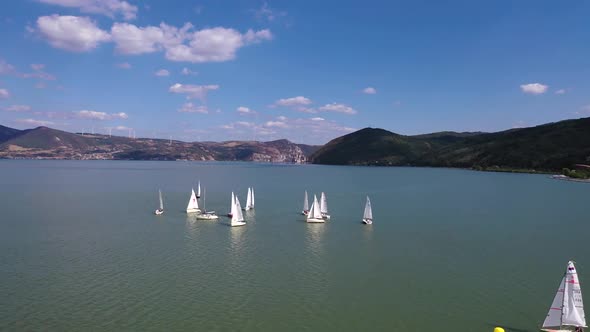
[567, 309]
[368, 213]
[160, 210]
[315, 214]
[193, 203]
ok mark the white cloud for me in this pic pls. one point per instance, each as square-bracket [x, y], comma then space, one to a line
[192, 108]
[560, 92]
[6, 68]
[193, 91]
[38, 73]
[94, 115]
[294, 101]
[370, 91]
[279, 124]
[317, 119]
[131, 39]
[338, 108]
[245, 110]
[17, 108]
[282, 118]
[109, 8]
[186, 71]
[4, 94]
[162, 72]
[124, 65]
[72, 33]
[267, 13]
[37, 66]
[34, 122]
[252, 36]
[534, 88]
[245, 124]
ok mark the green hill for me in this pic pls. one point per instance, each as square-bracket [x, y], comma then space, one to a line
[551, 146]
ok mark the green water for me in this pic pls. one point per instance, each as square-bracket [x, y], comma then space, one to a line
[450, 250]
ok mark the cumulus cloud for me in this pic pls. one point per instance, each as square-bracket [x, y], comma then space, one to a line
[94, 115]
[317, 119]
[192, 108]
[267, 13]
[534, 88]
[17, 108]
[242, 110]
[124, 65]
[72, 33]
[252, 36]
[4, 94]
[38, 73]
[162, 72]
[34, 122]
[186, 71]
[279, 124]
[110, 8]
[369, 91]
[293, 101]
[122, 128]
[560, 92]
[338, 108]
[193, 91]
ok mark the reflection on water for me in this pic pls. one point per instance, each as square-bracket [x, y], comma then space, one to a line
[367, 232]
[314, 237]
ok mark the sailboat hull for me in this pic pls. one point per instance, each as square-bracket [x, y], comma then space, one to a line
[158, 212]
[237, 223]
[207, 216]
[562, 330]
[193, 210]
[367, 221]
[304, 212]
[315, 220]
[325, 216]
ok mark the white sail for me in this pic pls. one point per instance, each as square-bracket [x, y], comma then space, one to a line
[193, 204]
[368, 214]
[237, 215]
[199, 189]
[249, 199]
[305, 202]
[161, 201]
[324, 204]
[311, 212]
[253, 197]
[233, 203]
[314, 211]
[567, 307]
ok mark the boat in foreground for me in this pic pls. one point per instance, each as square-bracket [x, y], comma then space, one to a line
[315, 215]
[324, 206]
[207, 215]
[368, 214]
[567, 309]
[237, 218]
[193, 204]
[160, 210]
[305, 205]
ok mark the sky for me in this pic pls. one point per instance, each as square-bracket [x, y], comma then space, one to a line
[308, 71]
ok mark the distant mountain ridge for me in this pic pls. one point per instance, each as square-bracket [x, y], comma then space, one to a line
[547, 147]
[47, 143]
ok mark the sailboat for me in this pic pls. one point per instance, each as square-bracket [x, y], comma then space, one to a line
[231, 206]
[314, 214]
[193, 204]
[206, 215]
[305, 205]
[199, 189]
[237, 218]
[368, 214]
[324, 207]
[249, 199]
[161, 209]
[567, 309]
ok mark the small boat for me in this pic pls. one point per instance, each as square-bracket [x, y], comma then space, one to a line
[199, 189]
[305, 205]
[231, 206]
[206, 215]
[161, 209]
[315, 215]
[567, 309]
[368, 214]
[249, 199]
[193, 204]
[324, 206]
[237, 218]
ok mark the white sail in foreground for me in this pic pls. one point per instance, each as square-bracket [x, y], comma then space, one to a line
[161, 209]
[211, 215]
[305, 205]
[199, 189]
[314, 214]
[324, 206]
[368, 214]
[253, 203]
[193, 204]
[231, 206]
[237, 218]
[249, 204]
[567, 309]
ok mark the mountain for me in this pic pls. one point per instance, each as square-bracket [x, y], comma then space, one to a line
[548, 147]
[47, 143]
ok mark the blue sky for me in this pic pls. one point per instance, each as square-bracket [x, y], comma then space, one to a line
[308, 71]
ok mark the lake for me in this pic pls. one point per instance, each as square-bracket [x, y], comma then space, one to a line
[449, 250]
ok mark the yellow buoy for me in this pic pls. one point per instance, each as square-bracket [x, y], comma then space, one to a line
[498, 329]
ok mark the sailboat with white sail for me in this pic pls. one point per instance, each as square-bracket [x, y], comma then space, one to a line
[315, 215]
[193, 203]
[160, 210]
[324, 207]
[305, 205]
[206, 215]
[368, 214]
[249, 199]
[231, 205]
[237, 218]
[567, 309]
